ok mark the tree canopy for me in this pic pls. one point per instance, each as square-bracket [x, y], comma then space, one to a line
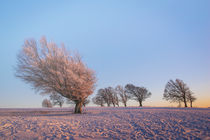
[139, 94]
[178, 91]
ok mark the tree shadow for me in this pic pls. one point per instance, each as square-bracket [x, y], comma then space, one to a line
[41, 112]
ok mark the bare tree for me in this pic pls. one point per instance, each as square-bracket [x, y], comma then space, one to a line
[138, 93]
[104, 93]
[87, 101]
[49, 69]
[109, 96]
[176, 91]
[112, 96]
[115, 98]
[179, 105]
[46, 103]
[57, 99]
[98, 100]
[124, 97]
[191, 98]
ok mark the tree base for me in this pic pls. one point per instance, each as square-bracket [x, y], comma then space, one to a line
[78, 107]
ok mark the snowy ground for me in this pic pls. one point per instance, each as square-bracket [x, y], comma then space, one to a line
[105, 123]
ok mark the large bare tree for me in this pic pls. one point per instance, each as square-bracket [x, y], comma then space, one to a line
[176, 91]
[139, 94]
[124, 97]
[49, 68]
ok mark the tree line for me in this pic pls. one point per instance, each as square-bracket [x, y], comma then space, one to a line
[175, 91]
[112, 96]
[57, 72]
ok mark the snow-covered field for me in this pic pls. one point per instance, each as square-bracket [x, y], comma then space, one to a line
[105, 123]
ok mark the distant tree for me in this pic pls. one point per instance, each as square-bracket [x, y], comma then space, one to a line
[46, 103]
[115, 98]
[57, 99]
[105, 95]
[179, 105]
[124, 97]
[176, 91]
[112, 96]
[68, 101]
[109, 96]
[98, 100]
[191, 98]
[86, 102]
[139, 94]
[49, 69]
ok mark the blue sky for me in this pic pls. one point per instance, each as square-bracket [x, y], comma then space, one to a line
[141, 42]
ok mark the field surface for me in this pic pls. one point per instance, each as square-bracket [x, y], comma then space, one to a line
[105, 123]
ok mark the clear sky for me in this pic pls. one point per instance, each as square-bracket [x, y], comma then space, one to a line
[145, 43]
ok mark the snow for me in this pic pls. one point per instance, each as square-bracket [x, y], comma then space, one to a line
[105, 123]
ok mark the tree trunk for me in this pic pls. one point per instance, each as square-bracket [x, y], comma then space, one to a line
[78, 107]
[190, 103]
[185, 100]
[185, 103]
[114, 104]
[60, 105]
[125, 104]
[140, 103]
